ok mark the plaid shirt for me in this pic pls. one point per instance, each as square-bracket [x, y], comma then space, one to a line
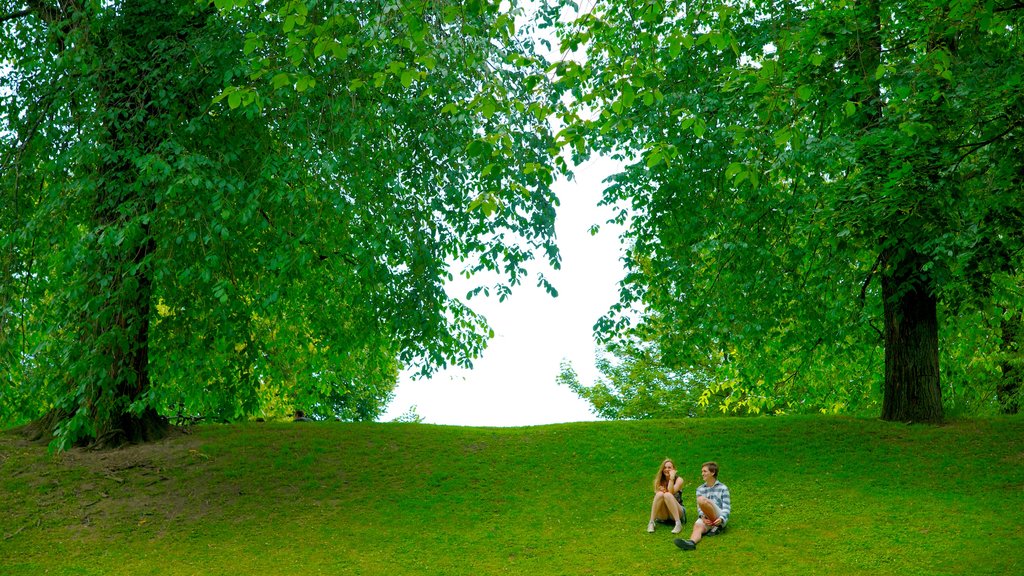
[719, 494]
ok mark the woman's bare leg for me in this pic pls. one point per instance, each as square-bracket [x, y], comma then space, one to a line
[658, 507]
[675, 510]
[673, 507]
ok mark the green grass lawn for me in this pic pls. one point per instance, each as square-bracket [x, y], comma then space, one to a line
[811, 495]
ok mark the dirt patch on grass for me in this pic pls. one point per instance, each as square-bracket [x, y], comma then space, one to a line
[153, 455]
[150, 486]
[1017, 458]
[156, 483]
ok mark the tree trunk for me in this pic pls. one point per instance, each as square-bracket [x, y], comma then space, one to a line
[120, 430]
[141, 97]
[911, 389]
[912, 392]
[123, 206]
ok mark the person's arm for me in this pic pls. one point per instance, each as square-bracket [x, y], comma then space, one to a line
[726, 506]
[677, 485]
[658, 487]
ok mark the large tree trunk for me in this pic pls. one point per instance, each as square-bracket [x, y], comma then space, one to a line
[122, 334]
[912, 392]
[142, 66]
[911, 389]
[138, 122]
[120, 430]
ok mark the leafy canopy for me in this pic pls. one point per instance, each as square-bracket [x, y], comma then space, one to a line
[237, 208]
[785, 156]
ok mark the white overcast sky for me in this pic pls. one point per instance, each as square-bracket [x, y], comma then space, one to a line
[513, 384]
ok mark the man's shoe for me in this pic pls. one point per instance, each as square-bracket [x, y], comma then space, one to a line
[685, 544]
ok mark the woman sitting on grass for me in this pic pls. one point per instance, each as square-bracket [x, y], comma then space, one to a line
[668, 497]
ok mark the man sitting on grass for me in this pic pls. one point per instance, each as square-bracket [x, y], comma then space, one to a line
[713, 505]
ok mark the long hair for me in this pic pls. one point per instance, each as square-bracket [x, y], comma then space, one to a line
[661, 478]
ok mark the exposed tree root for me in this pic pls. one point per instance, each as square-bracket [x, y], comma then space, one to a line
[127, 429]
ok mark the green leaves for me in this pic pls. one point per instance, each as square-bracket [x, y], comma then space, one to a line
[487, 203]
[229, 4]
[241, 97]
[782, 137]
[278, 81]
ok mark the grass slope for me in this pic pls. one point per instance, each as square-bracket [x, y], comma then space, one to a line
[812, 495]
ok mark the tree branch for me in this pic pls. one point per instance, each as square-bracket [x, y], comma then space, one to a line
[43, 105]
[1011, 7]
[867, 281]
[15, 15]
[58, 15]
[864, 290]
[49, 14]
[807, 356]
[877, 331]
[321, 256]
[975, 146]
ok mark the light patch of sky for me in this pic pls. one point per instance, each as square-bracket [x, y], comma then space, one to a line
[514, 382]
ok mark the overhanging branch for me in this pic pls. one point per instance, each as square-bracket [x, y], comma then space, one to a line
[50, 14]
[15, 15]
[864, 289]
[975, 146]
[320, 255]
[1010, 8]
[57, 15]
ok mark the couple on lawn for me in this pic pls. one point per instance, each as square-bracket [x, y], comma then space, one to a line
[713, 503]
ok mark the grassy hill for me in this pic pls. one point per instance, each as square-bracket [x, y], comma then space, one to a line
[811, 495]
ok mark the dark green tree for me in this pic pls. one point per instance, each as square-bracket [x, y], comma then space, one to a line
[809, 180]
